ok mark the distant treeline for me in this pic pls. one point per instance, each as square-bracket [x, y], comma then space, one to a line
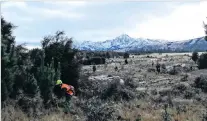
[138, 52]
[99, 57]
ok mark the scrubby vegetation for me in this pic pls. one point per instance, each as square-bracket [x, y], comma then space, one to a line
[195, 56]
[202, 61]
[108, 85]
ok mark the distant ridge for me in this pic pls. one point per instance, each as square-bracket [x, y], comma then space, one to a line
[126, 43]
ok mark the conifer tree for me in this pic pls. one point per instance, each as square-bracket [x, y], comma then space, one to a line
[205, 27]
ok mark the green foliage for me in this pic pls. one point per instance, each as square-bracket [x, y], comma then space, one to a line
[205, 27]
[60, 49]
[195, 56]
[116, 92]
[31, 87]
[6, 31]
[30, 76]
[35, 56]
[202, 61]
[139, 118]
[20, 78]
[4, 91]
[7, 58]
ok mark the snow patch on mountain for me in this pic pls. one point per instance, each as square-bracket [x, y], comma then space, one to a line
[125, 43]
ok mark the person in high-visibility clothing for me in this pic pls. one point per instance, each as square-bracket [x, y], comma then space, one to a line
[69, 92]
[68, 89]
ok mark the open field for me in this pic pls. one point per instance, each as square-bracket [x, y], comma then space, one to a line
[145, 90]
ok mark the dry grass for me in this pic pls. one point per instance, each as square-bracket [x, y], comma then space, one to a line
[57, 117]
[11, 114]
[148, 113]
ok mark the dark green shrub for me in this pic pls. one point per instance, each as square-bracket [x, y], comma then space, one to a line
[116, 68]
[195, 56]
[204, 117]
[202, 61]
[97, 110]
[201, 82]
[173, 71]
[117, 92]
[151, 70]
[184, 78]
[108, 55]
[4, 91]
[94, 60]
[31, 87]
[94, 68]
[97, 60]
[126, 55]
[126, 62]
[188, 94]
[163, 66]
[158, 67]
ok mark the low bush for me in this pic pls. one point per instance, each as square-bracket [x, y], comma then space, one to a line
[201, 82]
[115, 91]
[151, 70]
[180, 88]
[184, 78]
[202, 61]
[174, 70]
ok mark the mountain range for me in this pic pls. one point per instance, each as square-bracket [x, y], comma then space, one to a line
[124, 43]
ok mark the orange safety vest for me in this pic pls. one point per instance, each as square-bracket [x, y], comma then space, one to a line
[69, 89]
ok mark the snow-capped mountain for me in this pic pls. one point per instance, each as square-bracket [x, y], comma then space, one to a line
[126, 43]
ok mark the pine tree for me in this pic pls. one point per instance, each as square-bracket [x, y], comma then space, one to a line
[108, 55]
[47, 75]
[94, 68]
[31, 87]
[195, 56]
[7, 58]
[58, 72]
[202, 61]
[205, 27]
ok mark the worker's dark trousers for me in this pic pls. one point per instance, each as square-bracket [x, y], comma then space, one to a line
[67, 104]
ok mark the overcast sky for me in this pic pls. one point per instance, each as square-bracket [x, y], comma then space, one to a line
[99, 21]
